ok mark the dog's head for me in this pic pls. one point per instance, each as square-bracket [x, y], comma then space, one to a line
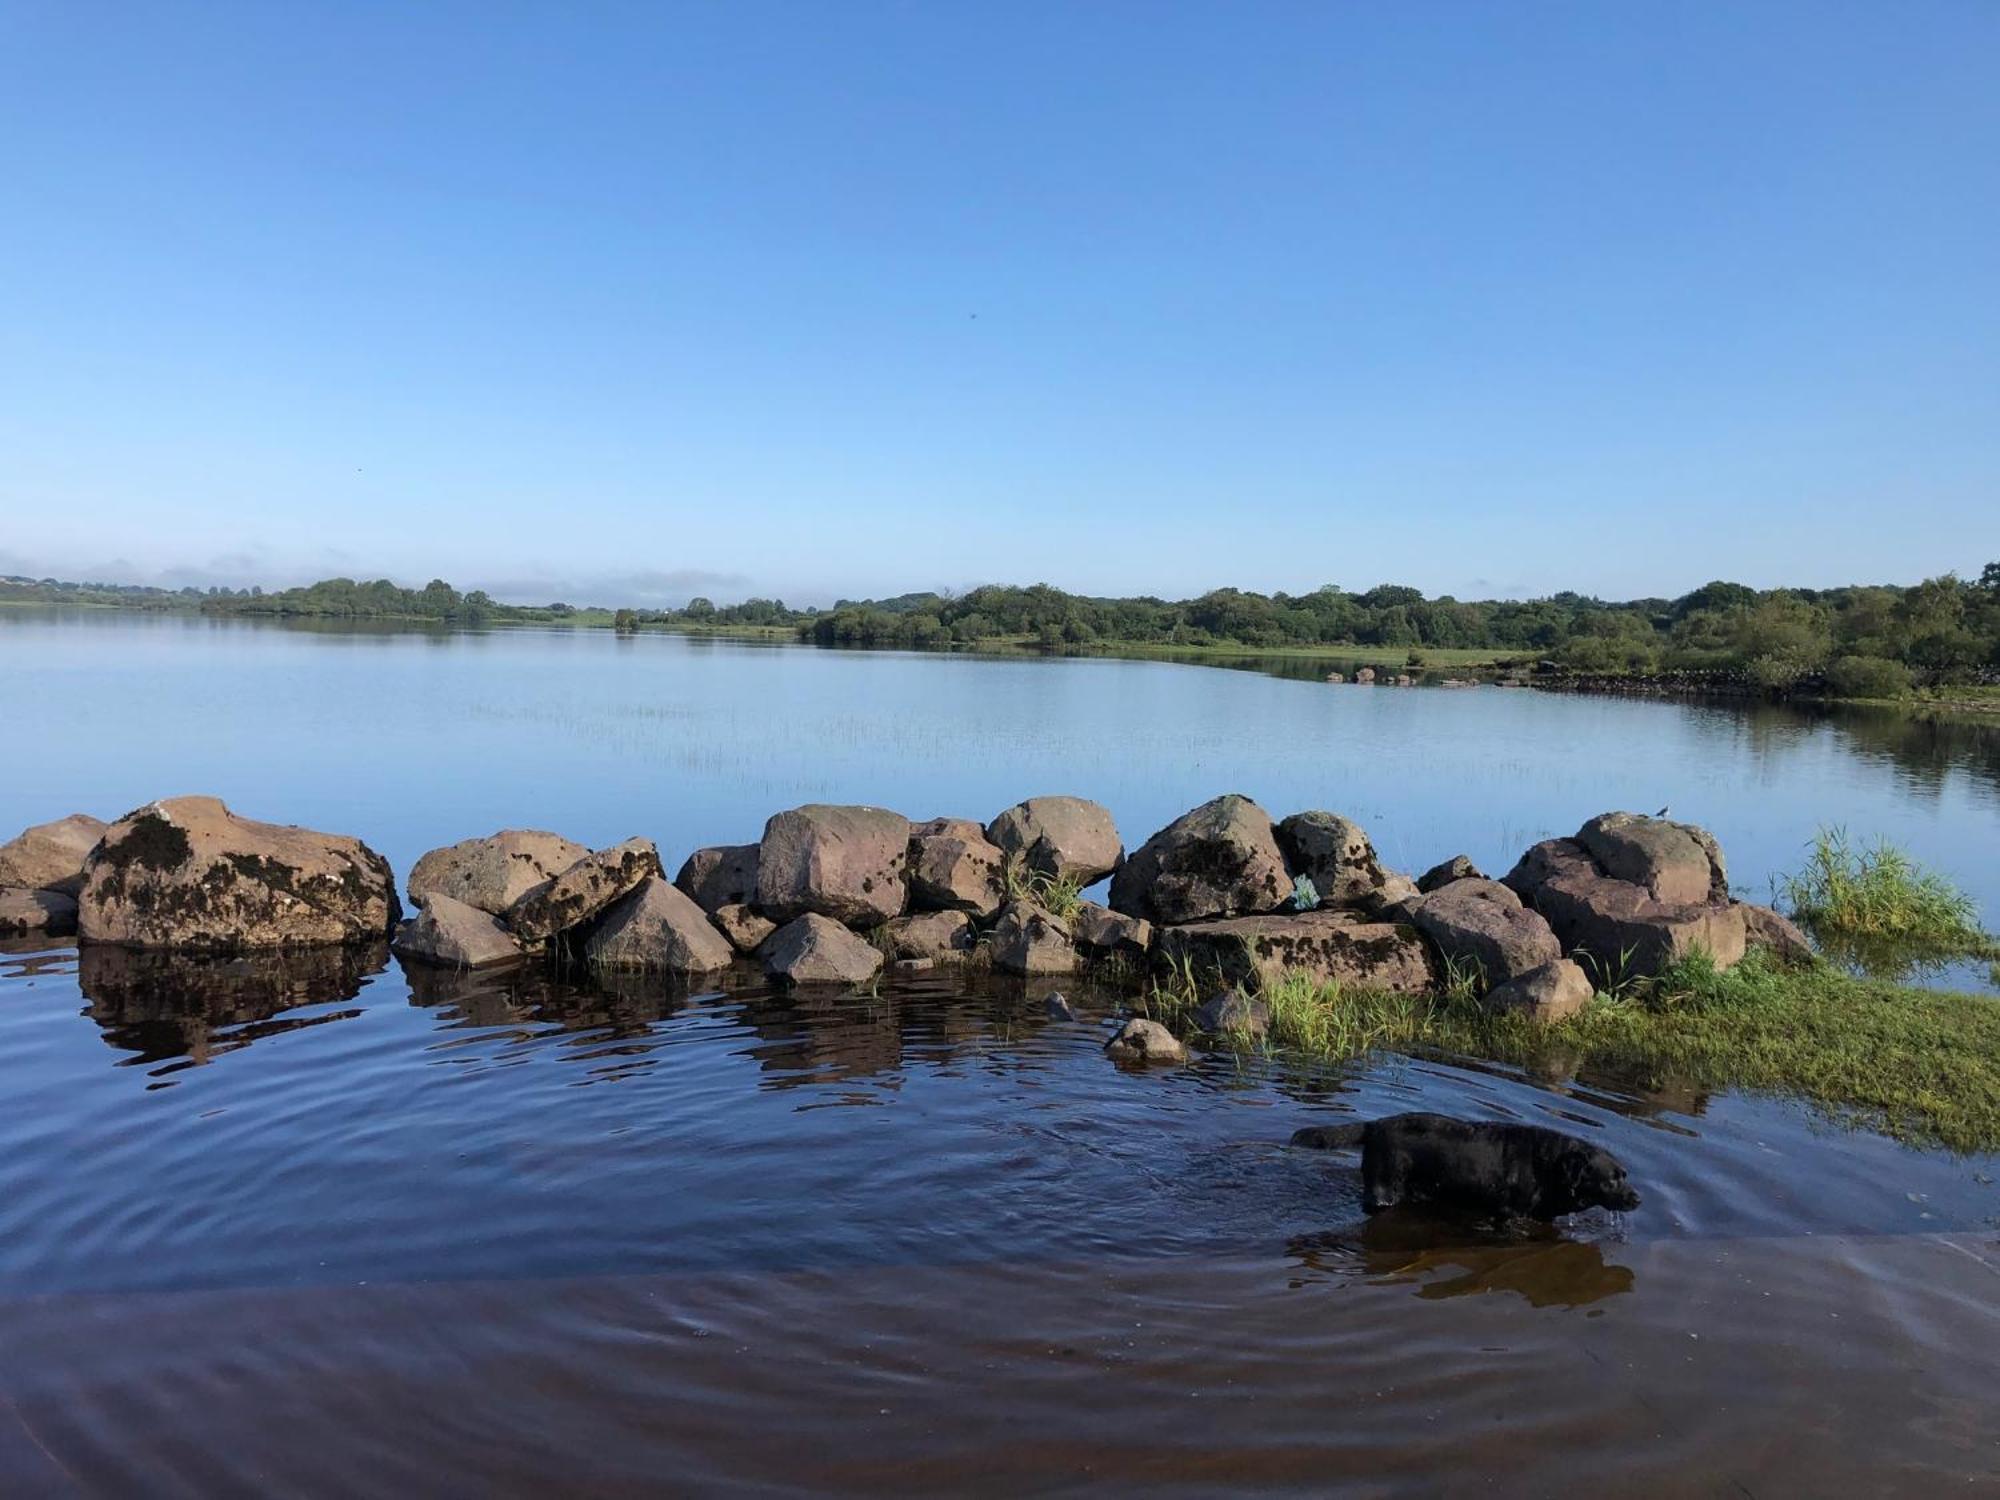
[1593, 1179]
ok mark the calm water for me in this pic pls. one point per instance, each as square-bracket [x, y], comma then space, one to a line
[322, 1227]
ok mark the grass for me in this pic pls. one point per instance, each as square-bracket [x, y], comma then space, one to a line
[1878, 910]
[1921, 1065]
[1058, 895]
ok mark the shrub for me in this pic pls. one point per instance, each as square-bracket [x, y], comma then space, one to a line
[1880, 894]
[1868, 677]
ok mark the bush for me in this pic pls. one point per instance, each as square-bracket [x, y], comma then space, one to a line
[1868, 677]
[1880, 893]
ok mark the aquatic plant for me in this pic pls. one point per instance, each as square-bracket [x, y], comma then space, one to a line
[1879, 899]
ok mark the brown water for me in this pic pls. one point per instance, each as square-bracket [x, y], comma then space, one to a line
[321, 1228]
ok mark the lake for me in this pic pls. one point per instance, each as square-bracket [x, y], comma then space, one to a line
[321, 1226]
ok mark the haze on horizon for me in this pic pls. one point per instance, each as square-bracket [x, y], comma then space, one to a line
[782, 299]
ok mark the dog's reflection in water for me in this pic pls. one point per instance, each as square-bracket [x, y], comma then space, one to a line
[1444, 1256]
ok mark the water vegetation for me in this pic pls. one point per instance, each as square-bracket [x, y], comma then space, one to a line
[1921, 1065]
[1876, 909]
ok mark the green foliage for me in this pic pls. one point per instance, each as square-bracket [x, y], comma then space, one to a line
[1880, 894]
[1868, 677]
[1058, 895]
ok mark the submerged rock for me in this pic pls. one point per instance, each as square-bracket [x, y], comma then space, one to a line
[1218, 860]
[189, 873]
[658, 928]
[453, 935]
[492, 873]
[50, 856]
[1030, 940]
[815, 949]
[718, 876]
[25, 911]
[1331, 947]
[744, 928]
[846, 863]
[1068, 838]
[583, 891]
[1552, 991]
[1141, 1041]
[1232, 1013]
[1481, 923]
[1335, 854]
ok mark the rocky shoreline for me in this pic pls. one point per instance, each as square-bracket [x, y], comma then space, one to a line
[832, 895]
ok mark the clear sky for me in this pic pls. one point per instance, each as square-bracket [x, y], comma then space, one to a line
[624, 302]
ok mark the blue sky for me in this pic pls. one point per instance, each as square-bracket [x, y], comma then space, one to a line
[626, 302]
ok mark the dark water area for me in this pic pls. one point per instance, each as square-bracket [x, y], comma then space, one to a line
[319, 1225]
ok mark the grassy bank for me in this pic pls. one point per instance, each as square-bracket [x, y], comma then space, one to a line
[1921, 1065]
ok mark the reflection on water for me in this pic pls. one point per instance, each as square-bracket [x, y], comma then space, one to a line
[1448, 1257]
[166, 1005]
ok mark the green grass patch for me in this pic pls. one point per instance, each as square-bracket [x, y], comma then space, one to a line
[1876, 910]
[1058, 895]
[1920, 1065]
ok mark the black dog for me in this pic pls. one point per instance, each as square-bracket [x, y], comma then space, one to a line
[1518, 1171]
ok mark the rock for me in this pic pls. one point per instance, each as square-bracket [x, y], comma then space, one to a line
[1233, 1013]
[583, 891]
[1336, 677]
[50, 856]
[841, 862]
[1458, 867]
[1333, 947]
[931, 935]
[1396, 901]
[1677, 863]
[1483, 924]
[1067, 838]
[1141, 1041]
[491, 874]
[24, 911]
[1366, 674]
[744, 928]
[1216, 861]
[815, 949]
[658, 927]
[1029, 940]
[1058, 1008]
[718, 876]
[1334, 854]
[1101, 933]
[1617, 928]
[1552, 991]
[951, 869]
[188, 873]
[913, 965]
[1765, 928]
[453, 935]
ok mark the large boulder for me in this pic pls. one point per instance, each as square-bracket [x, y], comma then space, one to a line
[1066, 838]
[953, 866]
[847, 863]
[188, 873]
[1030, 940]
[24, 911]
[1618, 929]
[1335, 854]
[1678, 863]
[1101, 933]
[491, 874]
[1333, 947]
[657, 928]
[1482, 924]
[50, 856]
[817, 950]
[1216, 861]
[930, 935]
[720, 875]
[1553, 991]
[453, 935]
[583, 891]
